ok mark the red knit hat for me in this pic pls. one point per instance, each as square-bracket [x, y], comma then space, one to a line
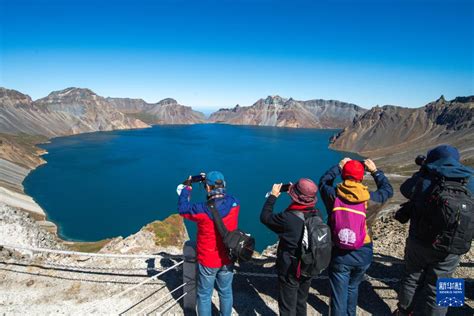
[353, 169]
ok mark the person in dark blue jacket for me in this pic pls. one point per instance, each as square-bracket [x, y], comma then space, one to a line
[422, 261]
[347, 267]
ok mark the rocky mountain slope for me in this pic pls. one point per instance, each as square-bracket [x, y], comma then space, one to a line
[24, 123]
[278, 111]
[167, 111]
[167, 236]
[399, 134]
[65, 112]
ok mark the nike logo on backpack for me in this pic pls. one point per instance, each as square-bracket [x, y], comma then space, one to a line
[321, 237]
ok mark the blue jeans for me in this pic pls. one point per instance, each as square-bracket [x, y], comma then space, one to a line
[344, 280]
[206, 279]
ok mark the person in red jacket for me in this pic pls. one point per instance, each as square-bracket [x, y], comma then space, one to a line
[214, 265]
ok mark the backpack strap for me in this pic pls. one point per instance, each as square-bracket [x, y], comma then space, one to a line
[216, 218]
[298, 214]
[457, 184]
[304, 242]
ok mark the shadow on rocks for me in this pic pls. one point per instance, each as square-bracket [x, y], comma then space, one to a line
[383, 270]
[250, 291]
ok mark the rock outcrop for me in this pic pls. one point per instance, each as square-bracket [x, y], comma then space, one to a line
[18, 228]
[167, 111]
[399, 134]
[66, 112]
[128, 105]
[167, 236]
[278, 111]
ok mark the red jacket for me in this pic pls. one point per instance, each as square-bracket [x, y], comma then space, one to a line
[210, 250]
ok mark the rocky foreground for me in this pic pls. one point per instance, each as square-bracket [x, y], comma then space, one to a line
[78, 284]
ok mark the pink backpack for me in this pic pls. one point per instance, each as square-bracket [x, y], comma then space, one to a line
[348, 224]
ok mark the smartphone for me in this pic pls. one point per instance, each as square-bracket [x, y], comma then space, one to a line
[285, 187]
[198, 178]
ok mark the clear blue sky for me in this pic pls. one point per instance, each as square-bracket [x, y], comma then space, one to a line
[212, 54]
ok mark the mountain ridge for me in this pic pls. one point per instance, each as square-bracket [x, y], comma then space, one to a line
[288, 112]
[398, 134]
[63, 112]
[166, 111]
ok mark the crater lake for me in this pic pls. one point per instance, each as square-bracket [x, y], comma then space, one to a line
[106, 184]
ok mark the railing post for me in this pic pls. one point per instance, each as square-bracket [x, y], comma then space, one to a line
[189, 277]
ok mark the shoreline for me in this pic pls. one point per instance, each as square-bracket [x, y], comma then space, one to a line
[27, 203]
[43, 284]
[18, 198]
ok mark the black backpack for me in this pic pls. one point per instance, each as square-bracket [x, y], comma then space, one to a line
[316, 255]
[448, 217]
[239, 244]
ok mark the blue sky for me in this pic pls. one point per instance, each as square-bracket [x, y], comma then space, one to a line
[212, 54]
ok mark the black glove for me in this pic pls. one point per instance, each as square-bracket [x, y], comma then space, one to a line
[404, 213]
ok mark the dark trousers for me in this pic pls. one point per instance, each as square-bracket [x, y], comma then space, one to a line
[423, 267]
[293, 295]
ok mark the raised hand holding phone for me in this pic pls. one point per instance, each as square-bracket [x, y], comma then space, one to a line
[276, 189]
[370, 165]
[343, 162]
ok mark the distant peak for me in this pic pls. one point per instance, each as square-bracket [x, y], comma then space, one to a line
[73, 91]
[275, 99]
[10, 92]
[168, 101]
[441, 99]
[15, 96]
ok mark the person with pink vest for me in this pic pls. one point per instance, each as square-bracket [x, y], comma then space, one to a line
[347, 205]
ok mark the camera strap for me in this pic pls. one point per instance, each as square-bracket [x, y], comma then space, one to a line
[216, 217]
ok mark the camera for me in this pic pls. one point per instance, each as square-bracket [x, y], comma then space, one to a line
[404, 213]
[363, 164]
[195, 179]
[285, 187]
[199, 178]
[420, 160]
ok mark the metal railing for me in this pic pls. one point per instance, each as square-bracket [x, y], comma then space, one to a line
[87, 268]
[164, 303]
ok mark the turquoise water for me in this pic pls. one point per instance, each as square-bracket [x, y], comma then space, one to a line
[106, 184]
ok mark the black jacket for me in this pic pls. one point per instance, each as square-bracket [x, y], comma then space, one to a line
[289, 228]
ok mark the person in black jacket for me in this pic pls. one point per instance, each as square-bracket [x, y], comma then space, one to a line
[424, 264]
[293, 288]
